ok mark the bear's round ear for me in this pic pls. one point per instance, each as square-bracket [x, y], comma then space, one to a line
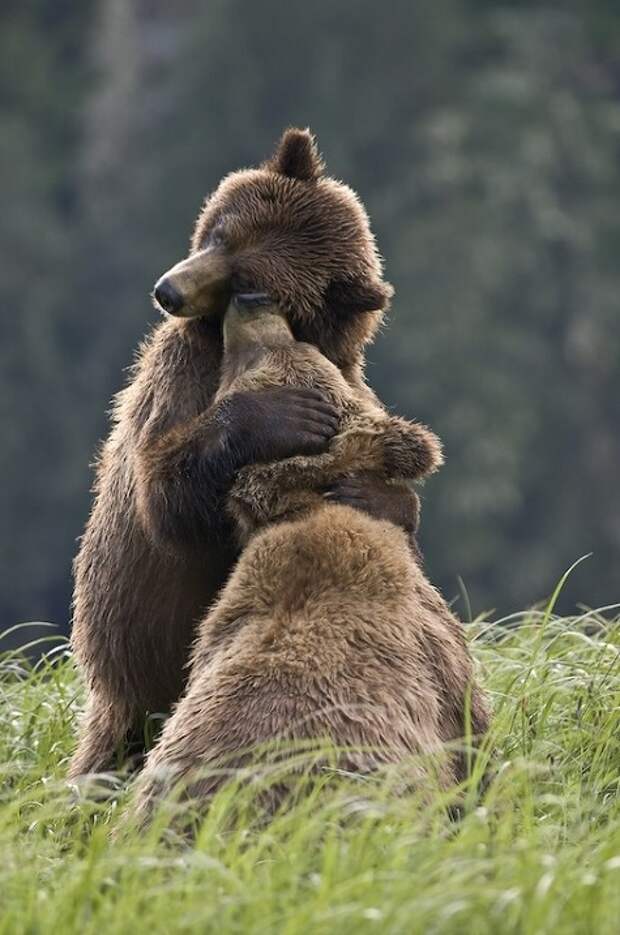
[297, 156]
[364, 294]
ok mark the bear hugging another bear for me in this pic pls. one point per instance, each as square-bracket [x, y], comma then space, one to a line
[327, 626]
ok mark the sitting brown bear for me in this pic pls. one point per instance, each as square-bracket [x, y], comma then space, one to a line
[327, 627]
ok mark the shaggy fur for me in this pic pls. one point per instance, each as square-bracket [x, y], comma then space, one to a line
[327, 627]
[260, 353]
[159, 545]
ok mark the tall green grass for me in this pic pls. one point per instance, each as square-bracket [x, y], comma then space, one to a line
[539, 852]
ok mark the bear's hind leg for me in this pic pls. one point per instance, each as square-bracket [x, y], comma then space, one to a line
[107, 735]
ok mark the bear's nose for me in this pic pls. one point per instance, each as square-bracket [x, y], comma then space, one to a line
[168, 296]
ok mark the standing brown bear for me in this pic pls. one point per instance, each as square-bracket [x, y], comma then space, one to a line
[159, 544]
[327, 628]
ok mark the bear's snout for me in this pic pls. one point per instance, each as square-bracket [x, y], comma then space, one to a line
[197, 286]
[168, 296]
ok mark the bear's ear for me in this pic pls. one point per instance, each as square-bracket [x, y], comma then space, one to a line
[297, 156]
[359, 295]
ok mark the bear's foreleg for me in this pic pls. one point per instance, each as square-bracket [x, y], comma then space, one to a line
[185, 473]
[410, 449]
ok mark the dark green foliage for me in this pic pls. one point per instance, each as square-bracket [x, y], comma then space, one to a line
[484, 140]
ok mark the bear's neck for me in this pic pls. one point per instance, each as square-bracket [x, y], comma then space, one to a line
[248, 339]
[347, 355]
[245, 333]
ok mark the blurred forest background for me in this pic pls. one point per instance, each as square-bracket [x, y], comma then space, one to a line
[484, 139]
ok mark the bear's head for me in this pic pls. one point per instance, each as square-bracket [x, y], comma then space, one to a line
[290, 231]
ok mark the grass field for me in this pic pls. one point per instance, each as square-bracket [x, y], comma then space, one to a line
[539, 854]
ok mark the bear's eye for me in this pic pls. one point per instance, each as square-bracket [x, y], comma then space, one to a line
[217, 237]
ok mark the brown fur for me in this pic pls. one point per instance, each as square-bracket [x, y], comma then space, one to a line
[159, 545]
[260, 352]
[327, 627]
